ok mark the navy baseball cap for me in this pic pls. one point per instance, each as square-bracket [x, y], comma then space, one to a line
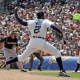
[40, 14]
[13, 32]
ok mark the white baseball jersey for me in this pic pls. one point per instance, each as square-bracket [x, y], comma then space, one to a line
[38, 28]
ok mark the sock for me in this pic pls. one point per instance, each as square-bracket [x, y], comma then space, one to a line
[77, 67]
[15, 59]
[31, 61]
[59, 61]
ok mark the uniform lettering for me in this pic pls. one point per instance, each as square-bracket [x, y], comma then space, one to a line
[37, 29]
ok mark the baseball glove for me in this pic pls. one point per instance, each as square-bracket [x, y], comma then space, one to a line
[59, 35]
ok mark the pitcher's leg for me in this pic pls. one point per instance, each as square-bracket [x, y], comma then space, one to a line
[52, 50]
[27, 52]
[23, 56]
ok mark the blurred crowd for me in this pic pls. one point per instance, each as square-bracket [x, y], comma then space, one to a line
[60, 12]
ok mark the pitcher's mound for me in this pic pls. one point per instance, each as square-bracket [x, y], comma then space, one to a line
[18, 75]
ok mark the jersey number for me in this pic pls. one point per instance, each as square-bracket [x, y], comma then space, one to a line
[37, 29]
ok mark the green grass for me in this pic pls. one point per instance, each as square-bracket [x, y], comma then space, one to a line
[55, 73]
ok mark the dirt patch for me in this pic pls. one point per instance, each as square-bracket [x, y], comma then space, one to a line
[17, 75]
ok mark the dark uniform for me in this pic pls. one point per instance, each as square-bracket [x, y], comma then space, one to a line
[37, 54]
[10, 43]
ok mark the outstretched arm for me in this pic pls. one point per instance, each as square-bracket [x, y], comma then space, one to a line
[19, 19]
[56, 28]
[59, 33]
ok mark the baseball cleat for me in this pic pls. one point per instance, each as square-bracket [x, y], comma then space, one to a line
[39, 69]
[3, 64]
[29, 69]
[63, 73]
[23, 70]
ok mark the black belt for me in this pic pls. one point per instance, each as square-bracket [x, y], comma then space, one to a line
[38, 37]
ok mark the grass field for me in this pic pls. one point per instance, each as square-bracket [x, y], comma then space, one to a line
[55, 73]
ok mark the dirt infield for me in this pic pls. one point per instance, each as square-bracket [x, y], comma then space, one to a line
[17, 75]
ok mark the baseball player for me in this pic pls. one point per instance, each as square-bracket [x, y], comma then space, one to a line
[9, 49]
[39, 56]
[38, 29]
[78, 61]
[78, 64]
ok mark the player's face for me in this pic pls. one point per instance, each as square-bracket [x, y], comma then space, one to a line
[14, 35]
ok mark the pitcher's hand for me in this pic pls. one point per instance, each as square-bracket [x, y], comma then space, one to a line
[16, 10]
